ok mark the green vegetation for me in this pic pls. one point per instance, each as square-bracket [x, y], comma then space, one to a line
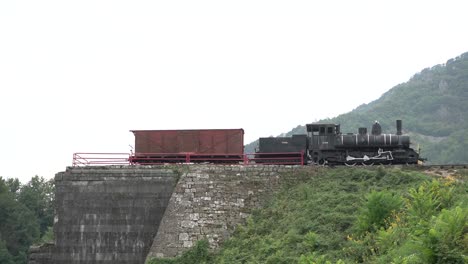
[354, 215]
[26, 215]
[433, 105]
[198, 254]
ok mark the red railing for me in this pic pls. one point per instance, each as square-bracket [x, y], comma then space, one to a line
[280, 158]
[86, 159]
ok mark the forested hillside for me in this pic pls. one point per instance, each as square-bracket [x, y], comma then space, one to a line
[433, 105]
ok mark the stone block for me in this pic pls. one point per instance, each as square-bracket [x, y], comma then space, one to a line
[184, 236]
[188, 244]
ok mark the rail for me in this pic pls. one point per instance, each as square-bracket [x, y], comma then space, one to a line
[280, 158]
[446, 166]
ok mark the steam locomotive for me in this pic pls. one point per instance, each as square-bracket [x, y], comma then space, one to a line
[325, 144]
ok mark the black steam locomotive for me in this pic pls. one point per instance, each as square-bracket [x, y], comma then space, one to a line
[325, 144]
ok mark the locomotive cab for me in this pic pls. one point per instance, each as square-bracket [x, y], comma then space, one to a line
[322, 136]
[322, 140]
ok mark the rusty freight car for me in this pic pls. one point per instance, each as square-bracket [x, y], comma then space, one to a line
[188, 146]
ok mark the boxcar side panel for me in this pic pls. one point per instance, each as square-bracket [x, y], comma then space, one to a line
[208, 141]
[187, 141]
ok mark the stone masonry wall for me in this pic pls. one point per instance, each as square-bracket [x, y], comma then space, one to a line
[210, 201]
[107, 214]
[124, 214]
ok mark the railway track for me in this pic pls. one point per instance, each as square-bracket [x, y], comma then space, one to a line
[423, 166]
[446, 166]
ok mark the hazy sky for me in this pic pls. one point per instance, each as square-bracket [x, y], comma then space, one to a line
[78, 75]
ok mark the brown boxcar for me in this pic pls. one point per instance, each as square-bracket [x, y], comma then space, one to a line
[203, 145]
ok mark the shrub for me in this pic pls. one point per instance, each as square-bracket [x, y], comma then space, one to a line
[428, 199]
[377, 209]
[448, 236]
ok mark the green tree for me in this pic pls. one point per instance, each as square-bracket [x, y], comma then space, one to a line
[19, 227]
[38, 196]
[14, 185]
[5, 256]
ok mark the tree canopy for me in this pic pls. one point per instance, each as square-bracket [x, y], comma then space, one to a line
[26, 213]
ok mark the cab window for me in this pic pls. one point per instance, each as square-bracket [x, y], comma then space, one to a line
[315, 130]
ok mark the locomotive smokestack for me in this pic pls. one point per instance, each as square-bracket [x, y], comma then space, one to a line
[398, 127]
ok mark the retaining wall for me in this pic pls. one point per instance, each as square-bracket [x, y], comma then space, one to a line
[124, 214]
[210, 201]
[107, 214]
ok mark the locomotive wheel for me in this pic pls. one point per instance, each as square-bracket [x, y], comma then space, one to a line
[350, 163]
[321, 162]
[367, 163]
